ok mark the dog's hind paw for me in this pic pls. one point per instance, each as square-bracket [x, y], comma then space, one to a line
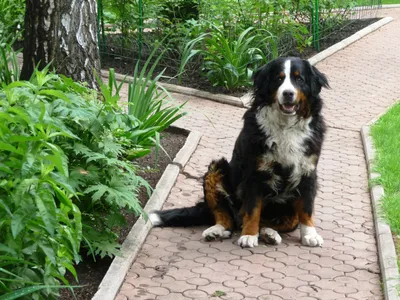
[270, 236]
[248, 241]
[216, 232]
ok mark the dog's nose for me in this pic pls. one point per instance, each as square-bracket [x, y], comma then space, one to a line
[288, 94]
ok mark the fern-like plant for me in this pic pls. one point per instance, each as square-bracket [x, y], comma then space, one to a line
[63, 180]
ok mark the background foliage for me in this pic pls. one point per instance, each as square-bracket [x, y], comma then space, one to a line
[289, 25]
[11, 18]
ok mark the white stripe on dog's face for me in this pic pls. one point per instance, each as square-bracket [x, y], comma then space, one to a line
[287, 83]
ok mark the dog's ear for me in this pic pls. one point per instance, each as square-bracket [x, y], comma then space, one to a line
[318, 80]
[261, 77]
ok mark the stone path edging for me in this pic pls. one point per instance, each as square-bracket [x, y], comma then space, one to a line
[226, 99]
[112, 281]
[387, 6]
[385, 244]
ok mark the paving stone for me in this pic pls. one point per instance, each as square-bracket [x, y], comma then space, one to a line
[198, 281]
[272, 286]
[251, 291]
[269, 297]
[217, 277]
[232, 296]
[195, 294]
[173, 296]
[255, 269]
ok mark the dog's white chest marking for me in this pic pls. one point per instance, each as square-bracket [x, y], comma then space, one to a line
[286, 141]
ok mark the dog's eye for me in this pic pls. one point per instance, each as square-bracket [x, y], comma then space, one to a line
[280, 78]
[299, 79]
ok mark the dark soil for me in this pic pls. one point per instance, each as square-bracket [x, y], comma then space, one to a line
[124, 62]
[91, 273]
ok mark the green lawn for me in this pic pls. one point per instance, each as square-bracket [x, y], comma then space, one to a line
[386, 135]
[390, 1]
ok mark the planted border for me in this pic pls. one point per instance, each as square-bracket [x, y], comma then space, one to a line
[244, 100]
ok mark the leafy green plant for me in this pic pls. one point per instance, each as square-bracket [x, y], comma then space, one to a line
[124, 15]
[151, 104]
[63, 179]
[179, 11]
[9, 65]
[40, 226]
[230, 62]
[11, 17]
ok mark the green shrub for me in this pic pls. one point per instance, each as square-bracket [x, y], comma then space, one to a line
[41, 224]
[179, 11]
[124, 14]
[63, 179]
[230, 62]
[11, 17]
[9, 65]
[66, 172]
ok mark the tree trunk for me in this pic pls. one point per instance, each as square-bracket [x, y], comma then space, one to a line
[63, 32]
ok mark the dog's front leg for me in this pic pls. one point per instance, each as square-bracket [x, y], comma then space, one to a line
[305, 211]
[251, 226]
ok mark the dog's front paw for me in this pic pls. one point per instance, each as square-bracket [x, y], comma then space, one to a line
[216, 232]
[248, 241]
[270, 236]
[310, 237]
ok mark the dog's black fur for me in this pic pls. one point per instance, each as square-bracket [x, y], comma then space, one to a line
[257, 160]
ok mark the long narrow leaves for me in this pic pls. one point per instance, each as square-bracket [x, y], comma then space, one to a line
[230, 62]
[150, 103]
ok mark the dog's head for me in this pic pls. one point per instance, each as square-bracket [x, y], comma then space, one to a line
[289, 84]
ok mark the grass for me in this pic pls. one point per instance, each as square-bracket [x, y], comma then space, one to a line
[390, 1]
[386, 136]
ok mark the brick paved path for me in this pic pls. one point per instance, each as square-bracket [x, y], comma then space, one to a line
[177, 264]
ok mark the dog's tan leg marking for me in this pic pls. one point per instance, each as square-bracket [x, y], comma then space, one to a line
[251, 227]
[223, 221]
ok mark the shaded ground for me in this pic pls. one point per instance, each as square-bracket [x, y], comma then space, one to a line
[191, 78]
[91, 272]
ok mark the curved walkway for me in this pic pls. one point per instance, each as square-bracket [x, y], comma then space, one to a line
[177, 264]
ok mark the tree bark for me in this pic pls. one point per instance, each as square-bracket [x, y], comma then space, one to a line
[64, 33]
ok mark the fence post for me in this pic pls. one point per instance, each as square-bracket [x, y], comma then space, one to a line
[140, 31]
[315, 25]
[100, 27]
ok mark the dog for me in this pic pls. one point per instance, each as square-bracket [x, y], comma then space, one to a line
[270, 184]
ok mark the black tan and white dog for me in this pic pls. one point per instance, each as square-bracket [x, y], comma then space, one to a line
[270, 184]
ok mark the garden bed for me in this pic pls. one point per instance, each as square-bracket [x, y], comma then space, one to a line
[91, 273]
[191, 78]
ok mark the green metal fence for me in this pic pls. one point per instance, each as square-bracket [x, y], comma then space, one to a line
[129, 29]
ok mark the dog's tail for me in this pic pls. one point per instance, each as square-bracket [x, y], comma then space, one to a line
[217, 191]
[196, 215]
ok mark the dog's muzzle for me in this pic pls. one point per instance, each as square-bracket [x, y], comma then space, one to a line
[288, 105]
